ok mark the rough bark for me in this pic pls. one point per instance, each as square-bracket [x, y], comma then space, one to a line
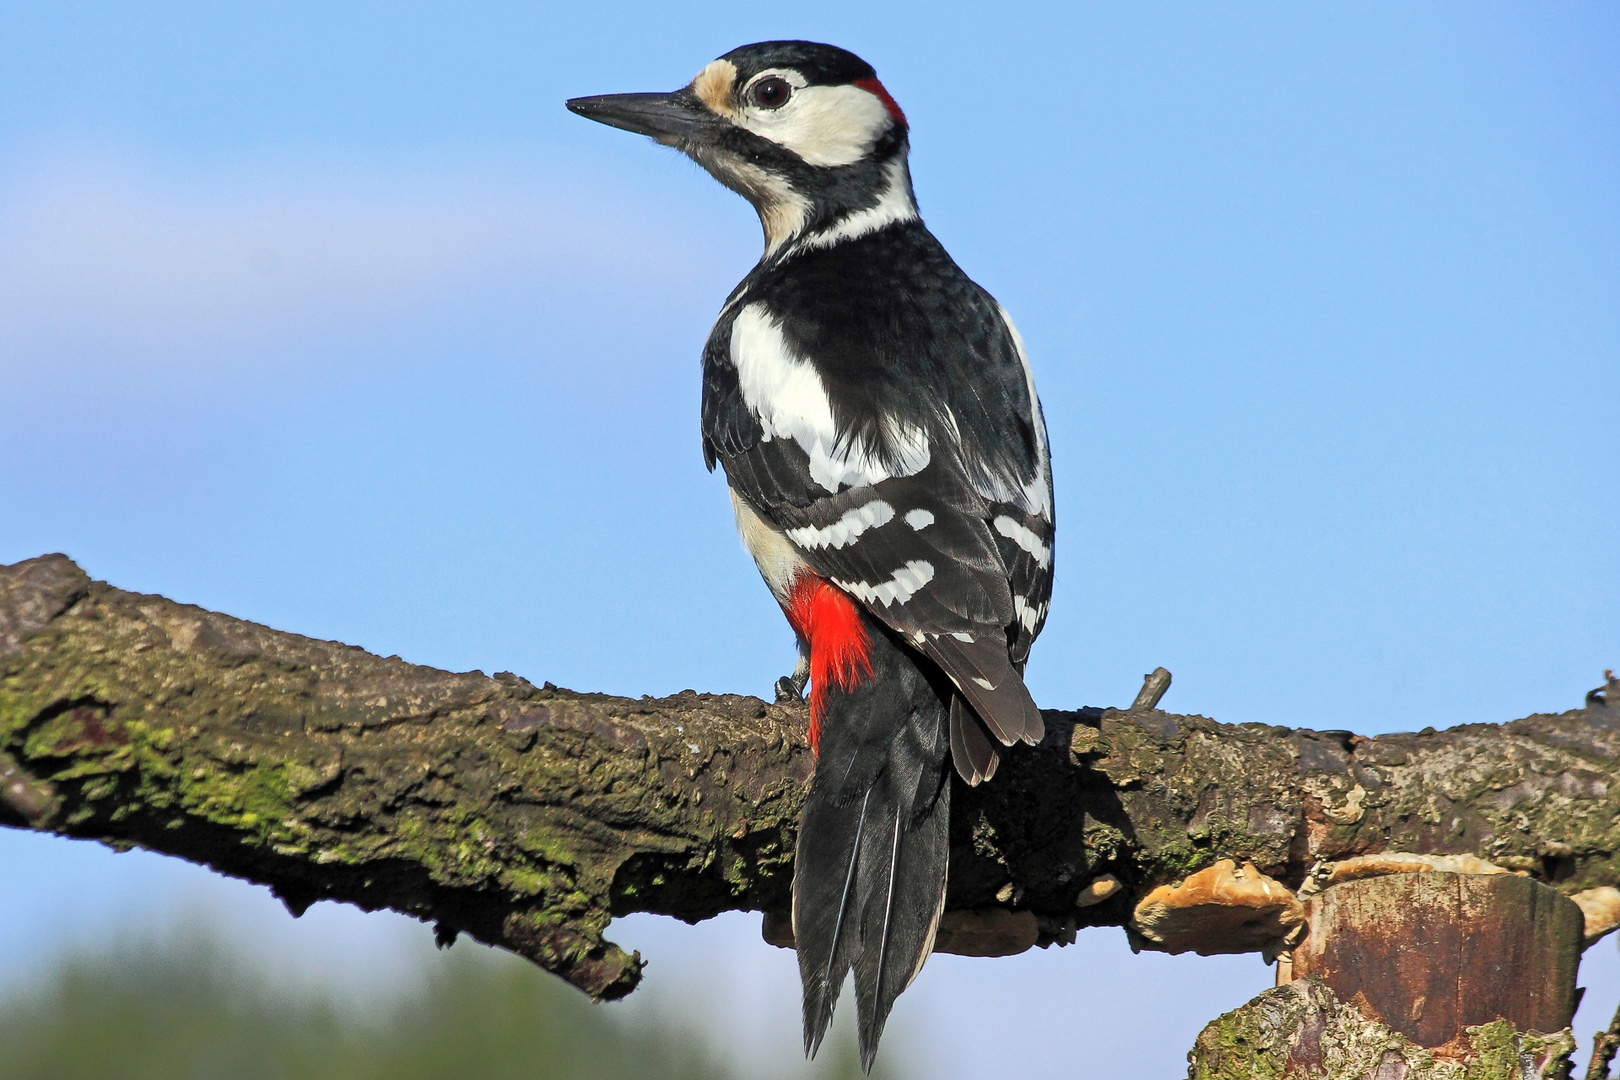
[528, 816]
[1434, 954]
[1303, 1031]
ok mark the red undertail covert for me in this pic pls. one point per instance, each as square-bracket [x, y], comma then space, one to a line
[823, 616]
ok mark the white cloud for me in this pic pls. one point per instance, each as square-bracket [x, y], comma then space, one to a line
[130, 265]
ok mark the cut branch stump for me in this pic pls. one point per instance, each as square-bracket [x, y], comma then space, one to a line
[1302, 1031]
[531, 816]
[1414, 976]
[1434, 954]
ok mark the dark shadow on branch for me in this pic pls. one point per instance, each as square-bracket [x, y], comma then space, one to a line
[528, 816]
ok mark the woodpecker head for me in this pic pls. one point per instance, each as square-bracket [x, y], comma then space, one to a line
[803, 131]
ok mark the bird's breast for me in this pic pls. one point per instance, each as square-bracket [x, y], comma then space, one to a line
[778, 560]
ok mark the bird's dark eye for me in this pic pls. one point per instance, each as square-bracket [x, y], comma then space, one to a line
[771, 93]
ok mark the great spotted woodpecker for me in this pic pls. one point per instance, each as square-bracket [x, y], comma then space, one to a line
[876, 418]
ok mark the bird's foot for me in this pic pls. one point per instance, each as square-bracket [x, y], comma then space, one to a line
[790, 690]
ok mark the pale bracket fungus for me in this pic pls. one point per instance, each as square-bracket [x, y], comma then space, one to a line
[1225, 908]
[529, 816]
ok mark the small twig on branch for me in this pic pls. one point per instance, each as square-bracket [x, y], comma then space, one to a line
[1153, 689]
[1603, 696]
[1604, 1045]
[27, 796]
[530, 816]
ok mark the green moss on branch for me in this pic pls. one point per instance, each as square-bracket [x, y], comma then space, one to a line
[1303, 1031]
[529, 815]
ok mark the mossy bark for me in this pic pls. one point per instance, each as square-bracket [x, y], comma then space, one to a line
[528, 816]
[1303, 1031]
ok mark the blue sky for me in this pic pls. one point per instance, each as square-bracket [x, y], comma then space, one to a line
[329, 316]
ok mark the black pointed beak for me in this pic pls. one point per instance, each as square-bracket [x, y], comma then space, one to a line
[669, 118]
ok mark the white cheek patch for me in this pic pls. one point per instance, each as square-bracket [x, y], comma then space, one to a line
[847, 529]
[824, 125]
[1025, 538]
[789, 399]
[905, 584]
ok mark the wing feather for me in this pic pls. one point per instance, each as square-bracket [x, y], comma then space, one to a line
[900, 448]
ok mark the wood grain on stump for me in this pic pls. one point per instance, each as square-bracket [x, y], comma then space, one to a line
[1435, 953]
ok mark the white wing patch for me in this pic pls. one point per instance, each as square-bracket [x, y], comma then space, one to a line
[1028, 615]
[1025, 538]
[1035, 496]
[1038, 493]
[919, 519]
[905, 583]
[790, 400]
[847, 529]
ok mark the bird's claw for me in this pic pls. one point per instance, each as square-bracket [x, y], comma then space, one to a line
[788, 692]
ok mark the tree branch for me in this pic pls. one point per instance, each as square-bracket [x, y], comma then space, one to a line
[529, 816]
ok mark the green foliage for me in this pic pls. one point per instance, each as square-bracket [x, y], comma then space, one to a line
[190, 1010]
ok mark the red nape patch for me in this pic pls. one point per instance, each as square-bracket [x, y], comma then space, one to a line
[839, 650]
[872, 86]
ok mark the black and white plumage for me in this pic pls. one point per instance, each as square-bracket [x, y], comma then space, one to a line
[876, 417]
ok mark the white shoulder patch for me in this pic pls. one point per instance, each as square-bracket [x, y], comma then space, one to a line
[786, 394]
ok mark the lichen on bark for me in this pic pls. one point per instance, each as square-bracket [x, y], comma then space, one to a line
[1302, 1030]
[529, 816]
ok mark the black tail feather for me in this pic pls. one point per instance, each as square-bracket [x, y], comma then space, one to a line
[905, 900]
[825, 931]
[975, 755]
[869, 876]
[985, 676]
